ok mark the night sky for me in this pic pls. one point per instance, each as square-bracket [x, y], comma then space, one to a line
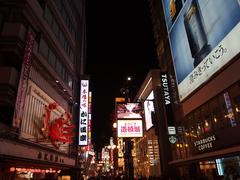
[120, 43]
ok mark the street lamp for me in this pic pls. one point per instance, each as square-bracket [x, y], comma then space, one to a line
[128, 159]
[129, 78]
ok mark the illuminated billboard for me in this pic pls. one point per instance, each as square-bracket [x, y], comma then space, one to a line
[83, 114]
[204, 36]
[129, 128]
[129, 110]
[148, 110]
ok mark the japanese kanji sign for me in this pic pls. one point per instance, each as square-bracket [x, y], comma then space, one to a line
[83, 117]
[129, 128]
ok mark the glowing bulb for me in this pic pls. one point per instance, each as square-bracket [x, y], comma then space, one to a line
[215, 119]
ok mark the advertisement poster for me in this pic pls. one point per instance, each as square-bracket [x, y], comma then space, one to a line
[149, 110]
[129, 110]
[204, 36]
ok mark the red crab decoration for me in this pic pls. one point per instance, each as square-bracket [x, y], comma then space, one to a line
[58, 130]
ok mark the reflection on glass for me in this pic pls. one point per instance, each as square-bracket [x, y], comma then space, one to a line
[175, 7]
[230, 114]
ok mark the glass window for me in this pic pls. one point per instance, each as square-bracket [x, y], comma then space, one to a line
[48, 15]
[217, 117]
[230, 119]
[70, 82]
[199, 123]
[64, 15]
[206, 119]
[235, 99]
[61, 37]
[55, 28]
[52, 59]
[43, 48]
[58, 4]
[71, 55]
[59, 68]
[1, 19]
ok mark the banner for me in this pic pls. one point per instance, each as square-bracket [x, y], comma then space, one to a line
[23, 81]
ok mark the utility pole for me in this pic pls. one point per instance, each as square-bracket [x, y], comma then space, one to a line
[128, 159]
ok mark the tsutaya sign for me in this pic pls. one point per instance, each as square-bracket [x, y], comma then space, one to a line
[166, 94]
[169, 114]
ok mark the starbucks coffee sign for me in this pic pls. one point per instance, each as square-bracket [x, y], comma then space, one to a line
[205, 143]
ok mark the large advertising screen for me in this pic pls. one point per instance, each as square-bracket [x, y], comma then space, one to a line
[129, 128]
[129, 110]
[204, 36]
[148, 110]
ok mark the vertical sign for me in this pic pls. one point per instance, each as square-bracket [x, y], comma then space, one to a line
[89, 117]
[168, 108]
[23, 81]
[83, 119]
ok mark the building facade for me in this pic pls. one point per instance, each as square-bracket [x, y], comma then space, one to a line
[147, 158]
[199, 52]
[42, 57]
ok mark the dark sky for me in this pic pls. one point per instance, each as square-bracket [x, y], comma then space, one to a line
[119, 43]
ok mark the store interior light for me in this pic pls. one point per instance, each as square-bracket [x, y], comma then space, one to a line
[115, 125]
[33, 170]
[237, 110]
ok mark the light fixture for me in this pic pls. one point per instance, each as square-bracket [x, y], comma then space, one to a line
[129, 78]
[57, 81]
[206, 123]
[237, 110]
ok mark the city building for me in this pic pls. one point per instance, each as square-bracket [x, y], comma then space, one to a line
[147, 160]
[198, 50]
[42, 56]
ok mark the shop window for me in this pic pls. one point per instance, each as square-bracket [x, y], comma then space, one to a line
[206, 119]
[199, 125]
[235, 99]
[230, 120]
[217, 117]
[224, 112]
[229, 167]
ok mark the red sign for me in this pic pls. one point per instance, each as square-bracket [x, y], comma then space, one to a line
[23, 81]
